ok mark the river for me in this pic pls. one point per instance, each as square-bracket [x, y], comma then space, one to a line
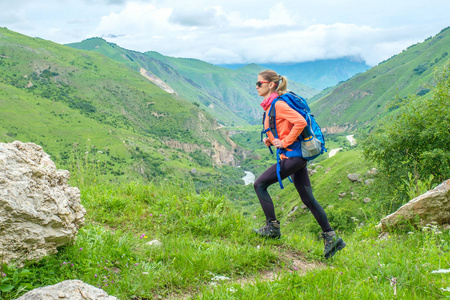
[249, 178]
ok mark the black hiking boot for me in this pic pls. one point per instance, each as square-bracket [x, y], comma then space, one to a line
[270, 230]
[332, 244]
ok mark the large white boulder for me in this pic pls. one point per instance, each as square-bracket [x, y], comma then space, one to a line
[67, 290]
[433, 206]
[39, 211]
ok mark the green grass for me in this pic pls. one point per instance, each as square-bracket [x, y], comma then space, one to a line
[205, 236]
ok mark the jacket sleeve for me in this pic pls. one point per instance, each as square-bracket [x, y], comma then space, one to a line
[288, 115]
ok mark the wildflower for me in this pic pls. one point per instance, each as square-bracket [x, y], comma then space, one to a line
[81, 249]
[3, 274]
[95, 275]
[295, 268]
[136, 264]
[151, 215]
[64, 263]
[71, 264]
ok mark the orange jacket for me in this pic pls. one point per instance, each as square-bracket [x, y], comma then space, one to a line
[289, 124]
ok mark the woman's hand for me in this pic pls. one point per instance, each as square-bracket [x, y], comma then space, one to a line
[267, 142]
[277, 143]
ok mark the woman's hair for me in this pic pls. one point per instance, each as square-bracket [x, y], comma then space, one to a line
[279, 80]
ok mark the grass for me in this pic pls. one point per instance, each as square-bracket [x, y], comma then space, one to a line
[203, 238]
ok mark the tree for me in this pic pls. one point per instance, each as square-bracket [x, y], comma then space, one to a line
[416, 140]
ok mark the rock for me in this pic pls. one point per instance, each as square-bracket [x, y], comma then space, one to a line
[342, 195]
[353, 177]
[313, 172]
[383, 236]
[367, 200]
[303, 206]
[39, 211]
[69, 289]
[434, 205]
[194, 171]
[310, 171]
[368, 181]
[154, 243]
[292, 210]
[372, 172]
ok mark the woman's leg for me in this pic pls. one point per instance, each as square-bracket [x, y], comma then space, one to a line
[303, 186]
[269, 177]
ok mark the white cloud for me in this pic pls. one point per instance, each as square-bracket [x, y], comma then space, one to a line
[236, 31]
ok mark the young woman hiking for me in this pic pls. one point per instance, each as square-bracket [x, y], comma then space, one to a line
[289, 124]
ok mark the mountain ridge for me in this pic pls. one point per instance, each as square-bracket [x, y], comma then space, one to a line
[364, 98]
[73, 102]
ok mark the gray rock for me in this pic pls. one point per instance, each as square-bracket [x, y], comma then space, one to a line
[433, 206]
[292, 210]
[342, 195]
[368, 181]
[39, 210]
[353, 177]
[194, 171]
[372, 172]
[67, 290]
[154, 243]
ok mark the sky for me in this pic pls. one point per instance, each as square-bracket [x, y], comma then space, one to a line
[236, 31]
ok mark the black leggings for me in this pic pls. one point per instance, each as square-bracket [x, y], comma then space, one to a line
[296, 168]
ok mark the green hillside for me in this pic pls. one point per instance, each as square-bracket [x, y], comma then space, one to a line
[77, 103]
[168, 239]
[228, 95]
[365, 97]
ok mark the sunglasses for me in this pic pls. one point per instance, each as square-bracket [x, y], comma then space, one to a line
[259, 83]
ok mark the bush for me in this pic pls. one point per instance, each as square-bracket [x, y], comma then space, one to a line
[416, 140]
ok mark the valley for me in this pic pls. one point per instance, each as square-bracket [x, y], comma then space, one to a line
[164, 152]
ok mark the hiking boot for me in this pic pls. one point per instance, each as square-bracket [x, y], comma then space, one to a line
[270, 230]
[332, 244]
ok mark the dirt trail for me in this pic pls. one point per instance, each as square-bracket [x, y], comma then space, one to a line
[295, 263]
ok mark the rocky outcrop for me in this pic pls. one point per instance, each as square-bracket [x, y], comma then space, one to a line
[433, 206]
[219, 153]
[39, 211]
[67, 290]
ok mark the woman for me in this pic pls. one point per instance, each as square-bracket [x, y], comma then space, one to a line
[289, 124]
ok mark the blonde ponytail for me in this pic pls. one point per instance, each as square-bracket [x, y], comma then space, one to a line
[279, 80]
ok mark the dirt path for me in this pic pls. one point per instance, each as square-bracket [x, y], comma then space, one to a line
[295, 263]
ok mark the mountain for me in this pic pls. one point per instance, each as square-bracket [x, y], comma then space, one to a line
[364, 98]
[82, 106]
[228, 95]
[318, 74]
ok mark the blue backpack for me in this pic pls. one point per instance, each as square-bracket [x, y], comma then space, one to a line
[310, 143]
